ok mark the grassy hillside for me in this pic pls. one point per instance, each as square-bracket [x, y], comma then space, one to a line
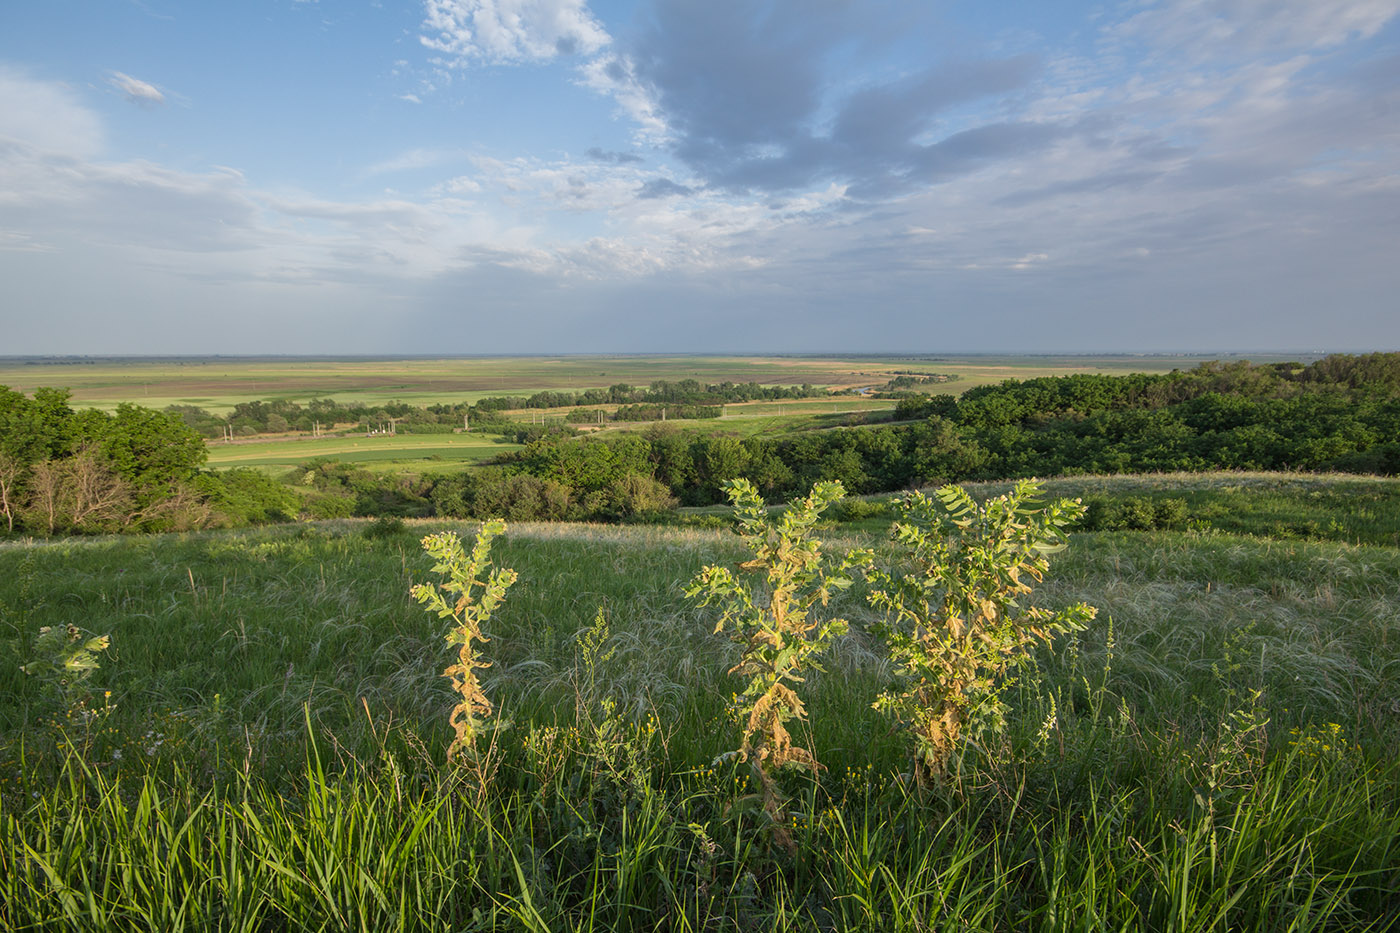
[1215, 752]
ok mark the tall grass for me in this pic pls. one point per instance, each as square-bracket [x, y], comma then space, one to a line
[1285, 506]
[1295, 843]
[1215, 752]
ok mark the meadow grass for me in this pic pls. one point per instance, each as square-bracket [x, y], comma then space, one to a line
[1318, 506]
[1215, 752]
[398, 451]
[1340, 507]
[837, 406]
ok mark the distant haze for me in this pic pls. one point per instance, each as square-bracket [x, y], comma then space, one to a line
[546, 176]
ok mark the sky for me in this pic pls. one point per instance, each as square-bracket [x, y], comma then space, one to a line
[463, 177]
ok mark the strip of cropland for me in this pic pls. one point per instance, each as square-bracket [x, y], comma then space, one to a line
[440, 452]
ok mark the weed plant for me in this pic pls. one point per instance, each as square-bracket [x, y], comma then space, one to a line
[474, 590]
[779, 626]
[1215, 751]
[955, 623]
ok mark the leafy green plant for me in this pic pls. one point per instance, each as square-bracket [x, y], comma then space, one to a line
[64, 659]
[775, 622]
[592, 650]
[473, 592]
[953, 623]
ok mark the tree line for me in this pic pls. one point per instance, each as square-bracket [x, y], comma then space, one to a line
[134, 469]
[683, 399]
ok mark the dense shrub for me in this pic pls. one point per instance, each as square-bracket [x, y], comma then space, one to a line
[247, 497]
[1134, 513]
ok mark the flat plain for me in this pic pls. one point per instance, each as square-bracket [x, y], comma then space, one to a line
[218, 383]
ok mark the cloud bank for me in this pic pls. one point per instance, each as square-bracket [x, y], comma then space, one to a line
[782, 174]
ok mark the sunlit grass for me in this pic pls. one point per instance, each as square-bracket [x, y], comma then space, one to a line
[386, 452]
[1329, 507]
[1215, 752]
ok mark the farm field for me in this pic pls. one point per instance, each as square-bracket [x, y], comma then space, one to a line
[448, 452]
[735, 411]
[1216, 750]
[388, 452]
[806, 407]
[771, 425]
[217, 384]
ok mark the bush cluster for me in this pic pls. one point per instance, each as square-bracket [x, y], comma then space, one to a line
[1134, 513]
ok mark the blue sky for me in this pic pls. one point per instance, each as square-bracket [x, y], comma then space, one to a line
[548, 176]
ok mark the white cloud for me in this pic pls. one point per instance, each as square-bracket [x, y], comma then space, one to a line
[411, 160]
[46, 116]
[506, 31]
[136, 90]
[22, 243]
[1205, 26]
[129, 206]
[462, 184]
[616, 76]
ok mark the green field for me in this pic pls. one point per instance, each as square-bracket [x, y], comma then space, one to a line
[439, 452]
[804, 407]
[1216, 752]
[217, 384]
[447, 452]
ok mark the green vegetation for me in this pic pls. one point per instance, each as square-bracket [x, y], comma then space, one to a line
[415, 452]
[63, 470]
[778, 628]
[1214, 751]
[475, 591]
[1285, 506]
[264, 742]
[1338, 413]
[87, 472]
[954, 624]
